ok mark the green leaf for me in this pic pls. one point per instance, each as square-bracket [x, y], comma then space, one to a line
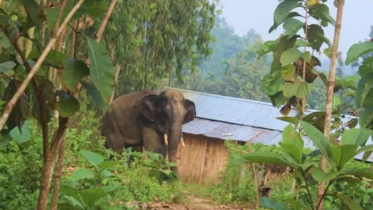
[366, 155]
[349, 203]
[290, 135]
[7, 66]
[284, 43]
[363, 88]
[290, 56]
[4, 137]
[297, 88]
[368, 100]
[357, 50]
[292, 26]
[272, 203]
[316, 36]
[21, 109]
[74, 71]
[91, 196]
[96, 97]
[67, 206]
[292, 120]
[54, 58]
[320, 176]
[361, 172]
[101, 69]
[307, 56]
[318, 138]
[107, 164]
[356, 136]
[262, 157]
[287, 72]
[342, 154]
[321, 12]
[82, 173]
[328, 52]
[34, 11]
[366, 148]
[94, 158]
[25, 134]
[283, 10]
[336, 102]
[67, 105]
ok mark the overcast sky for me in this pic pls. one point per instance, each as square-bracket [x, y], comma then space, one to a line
[243, 15]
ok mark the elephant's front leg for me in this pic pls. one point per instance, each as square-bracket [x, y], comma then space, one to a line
[153, 141]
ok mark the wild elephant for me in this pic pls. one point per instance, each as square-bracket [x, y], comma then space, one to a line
[150, 119]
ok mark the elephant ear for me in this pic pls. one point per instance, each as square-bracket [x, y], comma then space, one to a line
[191, 111]
[149, 107]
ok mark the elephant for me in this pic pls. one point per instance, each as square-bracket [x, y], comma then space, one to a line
[150, 119]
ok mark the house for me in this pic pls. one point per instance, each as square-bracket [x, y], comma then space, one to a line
[219, 119]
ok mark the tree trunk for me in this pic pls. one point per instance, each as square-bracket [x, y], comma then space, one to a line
[329, 93]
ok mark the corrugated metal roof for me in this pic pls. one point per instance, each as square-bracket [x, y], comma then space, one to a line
[228, 131]
[236, 110]
[243, 119]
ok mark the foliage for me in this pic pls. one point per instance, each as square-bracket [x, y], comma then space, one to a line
[158, 37]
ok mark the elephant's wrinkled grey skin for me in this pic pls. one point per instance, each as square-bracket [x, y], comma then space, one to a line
[142, 118]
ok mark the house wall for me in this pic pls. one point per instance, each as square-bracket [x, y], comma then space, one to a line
[201, 159]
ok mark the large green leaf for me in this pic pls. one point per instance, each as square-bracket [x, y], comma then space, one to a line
[271, 203]
[363, 88]
[74, 71]
[263, 157]
[318, 138]
[34, 11]
[368, 100]
[290, 56]
[102, 70]
[320, 176]
[94, 158]
[356, 136]
[342, 154]
[67, 105]
[316, 36]
[292, 143]
[25, 134]
[91, 196]
[297, 88]
[83, 173]
[96, 96]
[349, 203]
[283, 9]
[284, 43]
[8, 65]
[292, 26]
[357, 50]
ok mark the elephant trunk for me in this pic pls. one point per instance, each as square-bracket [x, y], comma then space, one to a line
[173, 143]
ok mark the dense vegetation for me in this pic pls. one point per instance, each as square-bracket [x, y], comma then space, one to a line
[62, 62]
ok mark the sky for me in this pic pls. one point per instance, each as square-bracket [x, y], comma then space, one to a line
[242, 15]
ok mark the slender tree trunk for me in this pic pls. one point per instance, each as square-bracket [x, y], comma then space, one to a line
[329, 93]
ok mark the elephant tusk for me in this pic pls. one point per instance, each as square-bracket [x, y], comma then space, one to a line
[166, 139]
[182, 141]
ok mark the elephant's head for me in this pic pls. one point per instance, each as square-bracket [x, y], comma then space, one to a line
[168, 111]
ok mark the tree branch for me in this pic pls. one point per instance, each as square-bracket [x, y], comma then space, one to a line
[105, 20]
[329, 93]
[17, 95]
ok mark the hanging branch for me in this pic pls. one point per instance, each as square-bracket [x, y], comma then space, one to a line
[9, 107]
[329, 93]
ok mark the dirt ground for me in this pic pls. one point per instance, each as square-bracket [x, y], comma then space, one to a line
[193, 202]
